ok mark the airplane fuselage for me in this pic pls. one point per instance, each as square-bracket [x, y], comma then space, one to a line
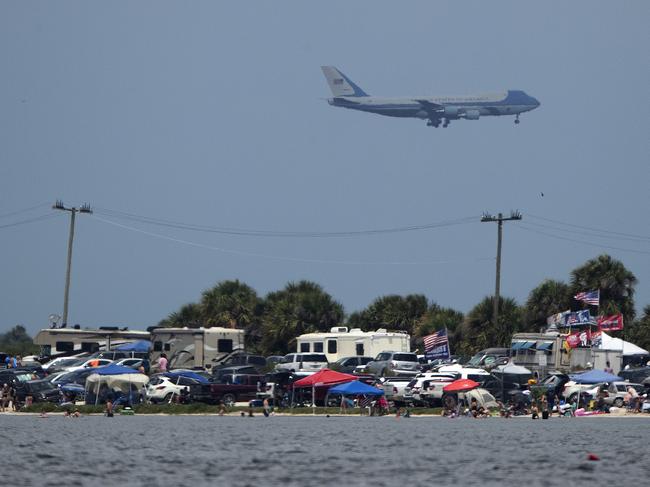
[512, 102]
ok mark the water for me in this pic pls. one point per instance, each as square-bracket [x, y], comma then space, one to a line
[310, 451]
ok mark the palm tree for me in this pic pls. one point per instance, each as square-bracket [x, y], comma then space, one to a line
[230, 304]
[638, 332]
[550, 297]
[189, 315]
[302, 307]
[615, 281]
[478, 330]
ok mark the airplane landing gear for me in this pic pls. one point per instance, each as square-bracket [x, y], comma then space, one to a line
[433, 123]
[445, 124]
[517, 119]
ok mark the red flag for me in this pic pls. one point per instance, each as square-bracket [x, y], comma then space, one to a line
[579, 339]
[610, 323]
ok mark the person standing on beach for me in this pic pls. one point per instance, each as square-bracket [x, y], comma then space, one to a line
[4, 397]
[608, 368]
[162, 363]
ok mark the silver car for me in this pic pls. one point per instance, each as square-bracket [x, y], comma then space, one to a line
[394, 362]
[616, 392]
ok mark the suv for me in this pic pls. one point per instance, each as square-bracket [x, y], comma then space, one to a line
[398, 362]
[348, 364]
[303, 362]
[488, 358]
[256, 361]
[394, 390]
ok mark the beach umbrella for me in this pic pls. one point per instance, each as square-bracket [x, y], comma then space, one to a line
[461, 385]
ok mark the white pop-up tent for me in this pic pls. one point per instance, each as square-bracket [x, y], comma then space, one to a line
[115, 377]
[618, 345]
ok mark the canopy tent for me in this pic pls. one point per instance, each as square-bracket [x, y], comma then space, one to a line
[512, 369]
[141, 346]
[356, 388]
[461, 385]
[117, 381]
[187, 373]
[616, 344]
[324, 377]
[594, 377]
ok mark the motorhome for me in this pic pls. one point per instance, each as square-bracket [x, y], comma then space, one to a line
[196, 347]
[542, 352]
[56, 342]
[340, 342]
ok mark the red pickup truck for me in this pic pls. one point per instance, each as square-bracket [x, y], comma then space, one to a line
[231, 389]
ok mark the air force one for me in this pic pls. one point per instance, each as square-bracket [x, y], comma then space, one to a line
[436, 110]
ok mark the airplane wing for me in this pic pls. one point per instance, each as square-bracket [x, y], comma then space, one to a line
[430, 107]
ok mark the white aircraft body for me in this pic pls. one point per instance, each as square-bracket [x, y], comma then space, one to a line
[436, 110]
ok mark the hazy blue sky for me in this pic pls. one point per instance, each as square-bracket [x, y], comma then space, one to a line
[212, 113]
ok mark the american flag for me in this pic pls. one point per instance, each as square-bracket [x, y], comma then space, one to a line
[432, 341]
[589, 297]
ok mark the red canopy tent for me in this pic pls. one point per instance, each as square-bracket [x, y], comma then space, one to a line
[324, 377]
[461, 385]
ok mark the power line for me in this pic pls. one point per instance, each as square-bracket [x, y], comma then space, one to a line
[46, 216]
[272, 233]
[284, 258]
[24, 210]
[644, 237]
[524, 227]
[589, 233]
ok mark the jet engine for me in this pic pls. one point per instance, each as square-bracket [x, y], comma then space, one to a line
[472, 114]
[451, 112]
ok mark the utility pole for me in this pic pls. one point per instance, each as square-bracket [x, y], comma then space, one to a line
[85, 208]
[514, 215]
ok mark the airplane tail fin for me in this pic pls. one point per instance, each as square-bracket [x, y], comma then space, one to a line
[340, 84]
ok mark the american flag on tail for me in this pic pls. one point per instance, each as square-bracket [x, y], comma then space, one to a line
[436, 345]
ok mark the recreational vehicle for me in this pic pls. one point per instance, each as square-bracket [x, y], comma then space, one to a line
[196, 347]
[340, 342]
[72, 341]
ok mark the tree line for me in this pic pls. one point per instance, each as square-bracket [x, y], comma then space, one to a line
[272, 323]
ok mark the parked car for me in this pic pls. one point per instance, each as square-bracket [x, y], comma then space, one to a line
[393, 362]
[87, 363]
[234, 389]
[488, 358]
[637, 375]
[238, 359]
[506, 391]
[134, 363]
[556, 382]
[395, 389]
[348, 364]
[17, 378]
[40, 390]
[59, 363]
[616, 392]
[162, 388]
[426, 389]
[303, 362]
[230, 373]
[74, 377]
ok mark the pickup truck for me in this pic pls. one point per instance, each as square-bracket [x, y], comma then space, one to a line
[229, 391]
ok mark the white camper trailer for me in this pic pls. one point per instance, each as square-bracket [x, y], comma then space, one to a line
[188, 348]
[72, 341]
[340, 342]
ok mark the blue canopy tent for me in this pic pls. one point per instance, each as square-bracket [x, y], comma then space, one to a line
[594, 377]
[141, 346]
[356, 388]
[116, 378]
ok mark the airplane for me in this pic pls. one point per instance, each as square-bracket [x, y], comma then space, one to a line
[436, 110]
